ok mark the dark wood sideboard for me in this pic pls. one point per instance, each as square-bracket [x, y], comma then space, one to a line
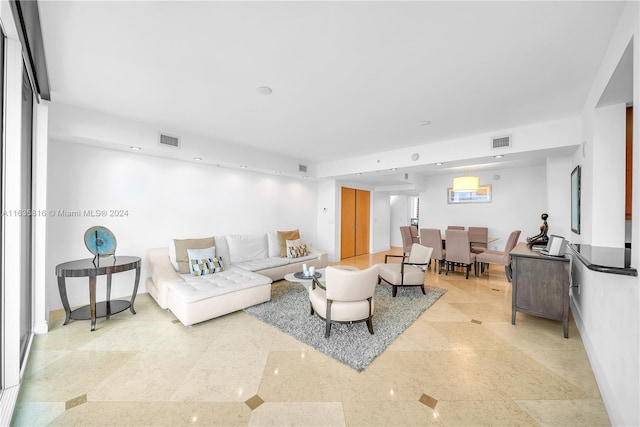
[540, 285]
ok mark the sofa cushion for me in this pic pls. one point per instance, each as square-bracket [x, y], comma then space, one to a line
[197, 288]
[302, 259]
[283, 236]
[247, 247]
[181, 246]
[263, 264]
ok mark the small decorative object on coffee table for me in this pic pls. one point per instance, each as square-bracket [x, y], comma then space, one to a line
[540, 239]
[301, 275]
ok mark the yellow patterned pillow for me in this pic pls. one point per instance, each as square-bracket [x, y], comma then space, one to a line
[296, 249]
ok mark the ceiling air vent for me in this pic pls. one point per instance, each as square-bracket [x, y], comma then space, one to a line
[172, 141]
[302, 168]
[501, 141]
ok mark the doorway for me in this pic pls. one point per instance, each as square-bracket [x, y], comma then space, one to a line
[354, 222]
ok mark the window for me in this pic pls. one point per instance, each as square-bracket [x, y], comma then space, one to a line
[26, 222]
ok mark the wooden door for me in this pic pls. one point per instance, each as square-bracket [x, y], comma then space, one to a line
[362, 222]
[348, 223]
[354, 222]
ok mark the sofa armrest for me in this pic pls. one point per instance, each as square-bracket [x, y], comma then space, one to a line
[162, 273]
[323, 258]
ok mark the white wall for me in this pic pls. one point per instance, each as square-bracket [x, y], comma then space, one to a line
[164, 199]
[400, 216]
[606, 307]
[559, 194]
[519, 198]
[380, 221]
[609, 144]
[328, 218]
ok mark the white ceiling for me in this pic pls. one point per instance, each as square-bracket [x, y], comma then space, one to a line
[347, 77]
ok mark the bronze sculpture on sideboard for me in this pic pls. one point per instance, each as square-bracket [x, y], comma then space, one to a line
[540, 239]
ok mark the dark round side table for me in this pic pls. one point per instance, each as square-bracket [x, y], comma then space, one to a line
[92, 269]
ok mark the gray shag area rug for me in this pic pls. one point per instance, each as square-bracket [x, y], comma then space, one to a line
[351, 344]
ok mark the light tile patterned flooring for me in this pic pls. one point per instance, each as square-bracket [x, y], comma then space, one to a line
[460, 363]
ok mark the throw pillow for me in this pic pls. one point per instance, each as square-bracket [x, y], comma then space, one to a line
[201, 253]
[283, 236]
[182, 245]
[200, 267]
[296, 249]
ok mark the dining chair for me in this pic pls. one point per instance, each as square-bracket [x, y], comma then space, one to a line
[409, 272]
[501, 257]
[459, 252]
[432, 238]
[407, 240]
[415, 236]
[347, 297]
[478, 237]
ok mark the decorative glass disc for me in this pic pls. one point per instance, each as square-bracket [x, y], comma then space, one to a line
[100, 241]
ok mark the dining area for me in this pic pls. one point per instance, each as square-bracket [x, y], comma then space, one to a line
[460, 247]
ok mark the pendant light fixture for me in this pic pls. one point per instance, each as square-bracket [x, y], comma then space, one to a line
[466, 183]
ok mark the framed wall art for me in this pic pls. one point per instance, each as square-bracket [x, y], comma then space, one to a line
[481, 195]
[575, 200]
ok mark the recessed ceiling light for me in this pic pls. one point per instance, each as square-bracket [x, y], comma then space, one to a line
[394, 169]
[439, 164]
[265, 90]
[425, 123]
[415, 156]
[197, 158]
[134, 148]
[243, 167]
[498, 156]
[359, 173]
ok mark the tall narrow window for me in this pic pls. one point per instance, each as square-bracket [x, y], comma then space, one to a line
[26, 229]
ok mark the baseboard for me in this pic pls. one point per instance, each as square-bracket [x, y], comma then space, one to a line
[8, 400]
[605, 392]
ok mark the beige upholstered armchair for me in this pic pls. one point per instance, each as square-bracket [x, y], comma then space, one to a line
[409, 272]
[347, 297]
[501, 257]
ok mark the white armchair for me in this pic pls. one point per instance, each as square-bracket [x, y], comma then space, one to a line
[408, 272]
[347, 297]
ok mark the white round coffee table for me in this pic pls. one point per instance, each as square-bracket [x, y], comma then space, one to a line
[306, 282]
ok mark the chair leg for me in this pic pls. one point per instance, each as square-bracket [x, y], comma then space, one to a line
[440, 262]
[446, 268]
[328, 320]
[370, 325]
[508, 272]
[423, 292]
[312, 311]
[394, 290]
[468, 269]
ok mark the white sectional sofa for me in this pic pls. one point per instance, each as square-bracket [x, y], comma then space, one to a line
[251, 262]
